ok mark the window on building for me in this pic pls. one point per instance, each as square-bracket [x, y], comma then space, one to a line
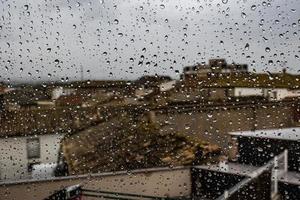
[33, 148]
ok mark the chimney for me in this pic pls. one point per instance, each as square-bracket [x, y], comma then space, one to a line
[284, 70]
[151, 117]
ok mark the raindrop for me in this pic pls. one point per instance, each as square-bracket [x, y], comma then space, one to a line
[26, 7]
[247, 46]
[140, 63]
[253, 7]
[224, 1]
[116, 21]
[162, 6]
[243, 15]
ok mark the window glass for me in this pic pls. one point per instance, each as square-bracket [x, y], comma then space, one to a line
[149, 99]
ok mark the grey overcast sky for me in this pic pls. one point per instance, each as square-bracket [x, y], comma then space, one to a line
[42, 40]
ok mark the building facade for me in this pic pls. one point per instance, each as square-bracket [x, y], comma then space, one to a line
[273, 94]
[19, 155]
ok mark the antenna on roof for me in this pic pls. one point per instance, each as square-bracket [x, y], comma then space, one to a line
[283, 66]
[81, 72]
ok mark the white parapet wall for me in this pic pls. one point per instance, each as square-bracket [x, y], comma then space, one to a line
[274, 94]
[161, 182]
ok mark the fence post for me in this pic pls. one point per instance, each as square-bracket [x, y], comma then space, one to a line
[275, 175]
[226, 195]
[286, 164]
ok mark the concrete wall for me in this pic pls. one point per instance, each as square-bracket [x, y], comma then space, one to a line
[213, 125]
[61, 91]
[248, 92]
[155, 182]
[219, 93]
[167, 86]
[13, 155]
[283, 93]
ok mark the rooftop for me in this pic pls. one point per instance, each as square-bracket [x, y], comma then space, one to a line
[280, 134]
[131, 145]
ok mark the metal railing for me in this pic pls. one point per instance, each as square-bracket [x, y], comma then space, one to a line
[273, 166]
[119, 195]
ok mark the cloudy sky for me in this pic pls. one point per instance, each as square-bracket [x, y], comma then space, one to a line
[124, 39]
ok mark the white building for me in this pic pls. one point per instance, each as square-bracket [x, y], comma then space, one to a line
[167, 86]
[275, 94]
[61, 91]
[19, 155]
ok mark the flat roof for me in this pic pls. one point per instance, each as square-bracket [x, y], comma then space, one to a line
[280, 134]
[230, 168]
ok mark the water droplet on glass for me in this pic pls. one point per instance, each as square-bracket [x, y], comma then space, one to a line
[243, 15]
[247, 46]
[224, 1]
